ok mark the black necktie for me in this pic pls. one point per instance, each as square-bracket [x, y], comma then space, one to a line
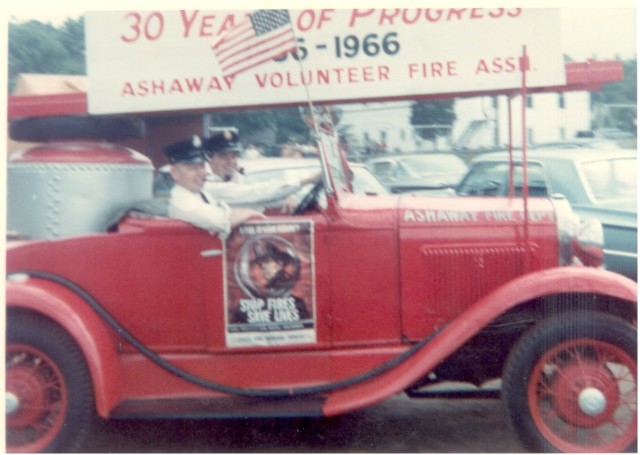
[204, 198]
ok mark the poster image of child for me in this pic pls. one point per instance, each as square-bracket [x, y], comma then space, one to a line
[270, 292]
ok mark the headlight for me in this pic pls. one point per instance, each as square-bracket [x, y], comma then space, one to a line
[581, 239]
[588, 243]
[568, 223]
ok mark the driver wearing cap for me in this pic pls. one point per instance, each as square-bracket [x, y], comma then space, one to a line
[188, 202]
[225, 182]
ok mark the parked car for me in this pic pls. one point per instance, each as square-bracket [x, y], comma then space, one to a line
[349, 303]
[591, 143]
[598, 184]
[418, 171]
[615, 134]
[282, 170]
[363, 181]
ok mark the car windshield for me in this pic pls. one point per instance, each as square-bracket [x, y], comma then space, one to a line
[492, 179]
[434, 164]
[328, 144]
[611, 179]
[287, 175]
[363, 181]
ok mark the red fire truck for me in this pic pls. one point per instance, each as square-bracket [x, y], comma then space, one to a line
[148, 316]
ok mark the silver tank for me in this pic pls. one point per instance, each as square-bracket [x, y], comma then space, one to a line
[65, 189]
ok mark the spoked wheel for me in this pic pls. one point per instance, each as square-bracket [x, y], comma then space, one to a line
[48, 394]
[571, 385]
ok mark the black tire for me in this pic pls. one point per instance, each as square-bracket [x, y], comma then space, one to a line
[50, 400]
[45, 129]
[570, 385]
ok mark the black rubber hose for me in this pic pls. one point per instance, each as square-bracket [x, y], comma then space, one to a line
[240, 391]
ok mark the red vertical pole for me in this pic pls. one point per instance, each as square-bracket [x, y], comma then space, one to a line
[511, 173]
[524, 66]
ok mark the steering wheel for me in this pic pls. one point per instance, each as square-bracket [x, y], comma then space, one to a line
[309, 200]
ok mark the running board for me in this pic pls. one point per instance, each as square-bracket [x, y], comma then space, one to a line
[454, 394]
[219, 408]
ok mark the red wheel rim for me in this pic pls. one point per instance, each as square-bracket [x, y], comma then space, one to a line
[583, 397]
[36, 397]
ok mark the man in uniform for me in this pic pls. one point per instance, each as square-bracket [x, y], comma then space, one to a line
[225, 183]
[188, 202]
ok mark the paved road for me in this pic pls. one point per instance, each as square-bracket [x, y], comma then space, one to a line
[396, 425]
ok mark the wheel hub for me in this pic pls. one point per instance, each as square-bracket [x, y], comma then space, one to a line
[11, 403]
[592, 401]
[585, 394]
[26, 402]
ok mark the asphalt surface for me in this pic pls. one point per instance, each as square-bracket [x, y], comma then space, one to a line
[397, 425]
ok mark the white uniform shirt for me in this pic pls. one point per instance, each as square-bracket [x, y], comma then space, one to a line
[257, 195]
[189, 206]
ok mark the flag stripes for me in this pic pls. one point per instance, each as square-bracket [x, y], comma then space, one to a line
[262, 36]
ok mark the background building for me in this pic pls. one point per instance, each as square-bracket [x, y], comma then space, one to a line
[481, 122]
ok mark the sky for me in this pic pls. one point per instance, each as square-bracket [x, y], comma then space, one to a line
[588, 29]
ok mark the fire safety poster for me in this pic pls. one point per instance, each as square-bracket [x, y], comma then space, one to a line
[269, 284]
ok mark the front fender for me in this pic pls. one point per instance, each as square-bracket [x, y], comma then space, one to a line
[468, 324]
[72, 313]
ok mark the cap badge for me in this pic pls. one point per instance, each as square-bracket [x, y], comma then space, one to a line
[227, 135]
[196, 141]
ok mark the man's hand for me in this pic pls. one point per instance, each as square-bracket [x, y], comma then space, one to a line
[311, 180]
[239, 216]
[290, 204]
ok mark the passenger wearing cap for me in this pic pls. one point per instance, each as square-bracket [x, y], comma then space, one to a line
[188, 202]
[226, 183]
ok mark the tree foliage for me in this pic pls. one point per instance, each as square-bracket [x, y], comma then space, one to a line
[287, 124]
[621, 96]
[432, 119]
[38, 48]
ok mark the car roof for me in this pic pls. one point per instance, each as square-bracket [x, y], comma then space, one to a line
[264, 164]
[397, 156]
[567, 154]
[273, 163]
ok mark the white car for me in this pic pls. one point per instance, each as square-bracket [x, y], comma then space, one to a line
[411, 172]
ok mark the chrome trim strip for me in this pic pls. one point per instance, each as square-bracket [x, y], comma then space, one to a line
[210, 253]
[621, 253]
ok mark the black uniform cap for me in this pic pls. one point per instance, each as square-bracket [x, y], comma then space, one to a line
[223, 141]
[189, 151]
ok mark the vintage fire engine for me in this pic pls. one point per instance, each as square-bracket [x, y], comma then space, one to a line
[142, 315]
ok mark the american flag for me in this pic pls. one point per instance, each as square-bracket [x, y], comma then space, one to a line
[264, 35]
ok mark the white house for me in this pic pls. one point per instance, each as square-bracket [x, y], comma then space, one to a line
[481, 122]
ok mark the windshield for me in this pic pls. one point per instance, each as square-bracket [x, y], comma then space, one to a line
[286, 175]
[492, 179]
[333, 161]
[363, 181]
[434, 164]
[611, 179]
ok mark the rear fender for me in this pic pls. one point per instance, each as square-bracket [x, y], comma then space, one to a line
[481, 313]
[97, 343]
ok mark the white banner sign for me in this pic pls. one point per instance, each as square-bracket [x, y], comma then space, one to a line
[167, 60]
